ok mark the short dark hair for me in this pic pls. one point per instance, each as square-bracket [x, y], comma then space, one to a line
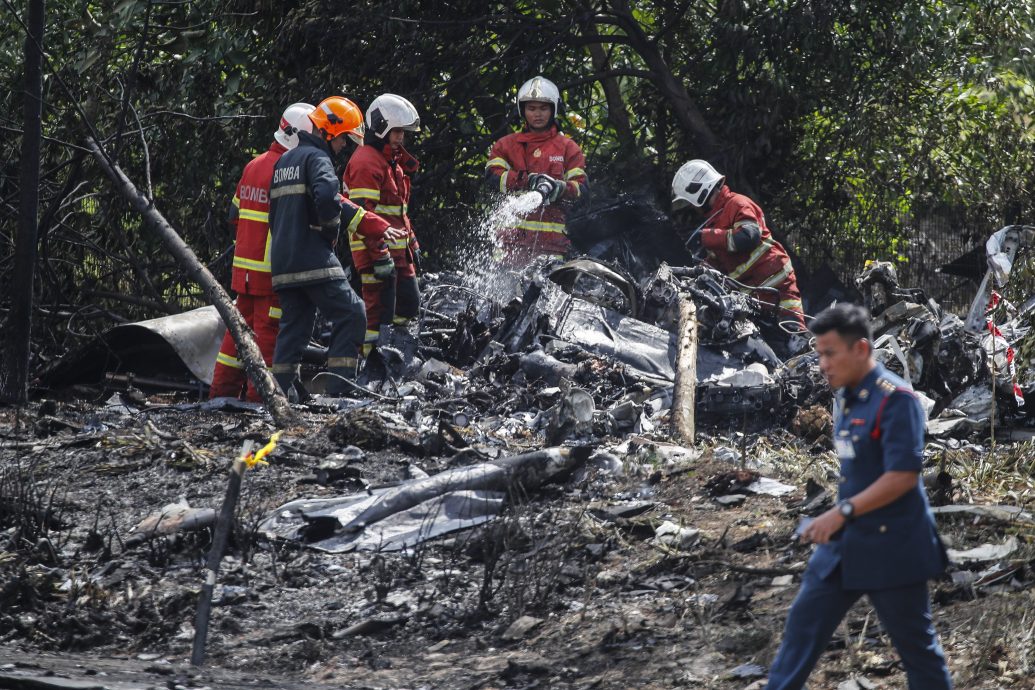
[851, 322]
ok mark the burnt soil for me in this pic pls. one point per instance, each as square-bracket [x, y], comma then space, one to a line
[600, 603]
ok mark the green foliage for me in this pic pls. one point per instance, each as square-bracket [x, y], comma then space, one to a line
[858, 126]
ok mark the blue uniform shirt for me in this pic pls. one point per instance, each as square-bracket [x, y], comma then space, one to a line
[306, 211]
[879, 427]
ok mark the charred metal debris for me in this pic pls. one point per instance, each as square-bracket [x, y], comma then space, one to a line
[587, 349]
[505, 466]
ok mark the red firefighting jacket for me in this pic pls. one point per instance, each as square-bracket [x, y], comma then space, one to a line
[379, 181]
[759, 261]
[249, 218]
[516, 156]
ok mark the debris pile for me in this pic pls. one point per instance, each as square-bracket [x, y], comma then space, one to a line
[502, 504]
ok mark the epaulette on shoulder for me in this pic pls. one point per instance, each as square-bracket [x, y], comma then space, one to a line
[887, 386]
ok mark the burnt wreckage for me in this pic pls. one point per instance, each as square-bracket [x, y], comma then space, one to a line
[607, 321]
[593, 341]
[620, 302]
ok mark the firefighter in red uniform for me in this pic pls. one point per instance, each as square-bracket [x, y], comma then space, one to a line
[249, 218]
[538, 158]
[377, 178]
[735, 238]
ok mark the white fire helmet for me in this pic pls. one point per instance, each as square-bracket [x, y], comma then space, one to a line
[295, 118]
[389, 112]
[694, 183]
[541, 90]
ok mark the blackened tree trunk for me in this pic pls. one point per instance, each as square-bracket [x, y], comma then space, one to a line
[616, 110]
[14, 367]
[684, 108]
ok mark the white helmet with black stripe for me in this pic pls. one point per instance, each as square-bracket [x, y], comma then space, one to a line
[694, 183]
[295, 118]
[540, 90]
[388, 112]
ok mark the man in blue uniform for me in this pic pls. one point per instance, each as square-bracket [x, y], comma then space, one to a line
[880, 539]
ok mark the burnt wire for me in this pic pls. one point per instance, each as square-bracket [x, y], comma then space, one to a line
[358, 387]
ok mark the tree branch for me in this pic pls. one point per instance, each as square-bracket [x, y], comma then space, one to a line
[611, 39]
[250, 354]
[199, 118]
[679, 12]
[600, 76]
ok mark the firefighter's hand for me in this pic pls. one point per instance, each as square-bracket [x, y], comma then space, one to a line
[395, 233]
[824, 527]
[384, 268]
[549, 188]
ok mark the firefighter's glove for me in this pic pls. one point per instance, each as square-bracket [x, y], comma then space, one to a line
[329, 230]
[550, 188]
[384, 269]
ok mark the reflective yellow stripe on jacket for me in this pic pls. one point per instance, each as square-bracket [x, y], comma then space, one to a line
[227, 360]
[779, 276]
[760, 250]
[251, 264]
[249, 214]
[365, 193]
[540, 226]
[391, 210]
[354, 223]
[500, 163]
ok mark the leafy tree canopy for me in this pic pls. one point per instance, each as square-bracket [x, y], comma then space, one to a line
[855, 125]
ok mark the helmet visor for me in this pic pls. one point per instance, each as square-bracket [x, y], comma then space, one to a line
[357, 133]
[679, 203]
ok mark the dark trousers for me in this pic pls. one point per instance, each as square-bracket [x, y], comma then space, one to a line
[342, 307]
[905, 613]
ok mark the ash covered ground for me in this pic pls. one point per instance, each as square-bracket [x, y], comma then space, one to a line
[649, 565]
[618, 558]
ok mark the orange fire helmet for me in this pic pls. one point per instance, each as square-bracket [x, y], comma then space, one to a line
[338, 115]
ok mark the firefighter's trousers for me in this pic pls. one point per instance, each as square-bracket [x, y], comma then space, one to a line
[342, 307]
[388, 302]
[262, 314]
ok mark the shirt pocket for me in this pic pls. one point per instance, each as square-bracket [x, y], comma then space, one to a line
[867, 449]
[893, 548]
